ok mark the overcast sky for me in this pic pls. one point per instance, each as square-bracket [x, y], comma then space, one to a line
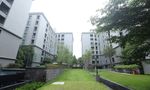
[69, 16]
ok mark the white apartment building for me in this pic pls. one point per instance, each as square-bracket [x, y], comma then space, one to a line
[13, 18]
[90, 41]
[66, 39]
[40, 35]
[96, 43]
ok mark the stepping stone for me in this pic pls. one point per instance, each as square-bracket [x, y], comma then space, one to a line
[58, 83]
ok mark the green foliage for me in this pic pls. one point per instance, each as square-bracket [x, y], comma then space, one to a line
[64, 55]
[87, 56]
[31, 86]
[132, 17]
[108, 51]
[51, 66]
[134, 82]
[75, 79]
[13, 65]
[25, 55]
[133, 66]
[46, 60]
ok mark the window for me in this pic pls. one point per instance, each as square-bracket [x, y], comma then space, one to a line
[42, 52]
[96, 47]
[4, 8]
[41, 59]
[34, 34]
[120, 33]
[95, 43]
[58, 35]
[92, 47]
[2, 20]
[35, 28]
[91, 39]
[97, 57]
[45, 35]
[0, 31]
[93, 62]
[91, 35]
[97, 61]
[38, 17]
[37, 22]
[62, 35]
[95, 39]
[43, 46]
[32, 41]
[113, 60]
[62, 39]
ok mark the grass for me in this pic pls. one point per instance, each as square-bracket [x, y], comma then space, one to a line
[75, 79]
[134, 82]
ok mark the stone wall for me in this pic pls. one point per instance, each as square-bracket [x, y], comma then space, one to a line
[35, 74]
[42, 74]
[53, 73]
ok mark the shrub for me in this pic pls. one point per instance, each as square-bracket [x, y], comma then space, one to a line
[31, 86]
[132, 66]
[13, 65]
[53, 66]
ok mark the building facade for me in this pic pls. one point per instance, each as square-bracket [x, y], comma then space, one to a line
[40, 35]
[13, 17]
[96, 42]
[66, 39]
[90, 41]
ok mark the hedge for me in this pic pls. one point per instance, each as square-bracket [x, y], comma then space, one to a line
[132, 66]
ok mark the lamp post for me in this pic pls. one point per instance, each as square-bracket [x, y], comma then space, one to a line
[96, 69]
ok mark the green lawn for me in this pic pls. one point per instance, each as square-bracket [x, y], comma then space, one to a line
[135, 82]
[75, 79]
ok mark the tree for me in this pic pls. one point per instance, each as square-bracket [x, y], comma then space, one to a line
[64, 55]
[86, 57]
[80, 61]
[25, 56]
[132, 18]
[46, 60]
[109, 52]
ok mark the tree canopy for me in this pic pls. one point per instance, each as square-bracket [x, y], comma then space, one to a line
[25, 55]
[64, 55]
[132, 19]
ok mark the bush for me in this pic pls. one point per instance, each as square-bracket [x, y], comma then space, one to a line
[53, 66]
[31, 86]
[132, 66]
[13, 65]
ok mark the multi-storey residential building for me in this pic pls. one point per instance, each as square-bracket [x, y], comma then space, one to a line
[66, 39]
[90, 41]
[13, 17]
[96, 43]
[40, 35]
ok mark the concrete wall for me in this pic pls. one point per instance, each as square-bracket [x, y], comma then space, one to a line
[9, 45]
[42, 74]
[68, 40]
[12, 30]
[17, 17]
[146, 67]
[85, 38]
[53, 73]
